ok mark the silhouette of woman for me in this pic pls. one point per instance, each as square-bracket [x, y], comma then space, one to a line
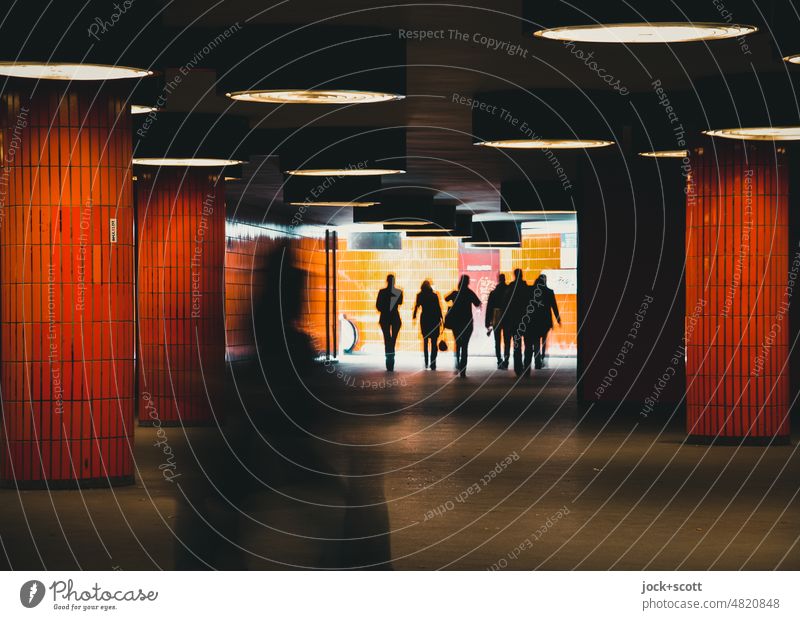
[430, 321]
[388, 304]
[459, 319]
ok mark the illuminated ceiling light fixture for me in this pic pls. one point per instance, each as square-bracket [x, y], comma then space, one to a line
[314, 96]
[665, 154]
[69, 72]
[748, 106]
[355, 204]
[143, 109]
[334, 191]
[480, 244]
[664, 32]
[427, 227]
[545, 144]
[184, 161]
[65, 41]
[547, 199]
[400, 213]
[774, 134]
[303, 64]
[500, 233]
[342, 153]
[543, 119]
[640, 21]
[192, 140]
[343, 172]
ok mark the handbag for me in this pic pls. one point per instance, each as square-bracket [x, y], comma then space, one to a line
[448, 318]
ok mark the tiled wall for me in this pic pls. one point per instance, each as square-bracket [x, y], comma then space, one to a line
[181, 227]
[738, 287]
[247, 248]
[362, 273]
[66, 299]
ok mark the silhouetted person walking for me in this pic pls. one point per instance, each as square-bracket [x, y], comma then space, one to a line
[388, 304]
[495, 311]
[520, 315]
[429, 321]
[544, 300]
[459, 319]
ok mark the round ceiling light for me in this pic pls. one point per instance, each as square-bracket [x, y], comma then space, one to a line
[794, 59]
[656, 32]
[314, 97]
[143, 109]
[343, 172]
[545, 144]
[756, 133]
[72, 72]
[343, 203]
[666, 154]
[184, 161]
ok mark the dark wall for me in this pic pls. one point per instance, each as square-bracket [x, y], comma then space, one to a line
[631, 303]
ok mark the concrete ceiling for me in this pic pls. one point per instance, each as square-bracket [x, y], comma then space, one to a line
[441, 156]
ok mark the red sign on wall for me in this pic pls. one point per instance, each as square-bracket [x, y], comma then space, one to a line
[482, 267]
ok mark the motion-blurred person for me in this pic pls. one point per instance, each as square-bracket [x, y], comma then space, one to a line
[495, 309]
[544, 300]
[275, 493]
[459, 319]
[388, 305]
[430, 321]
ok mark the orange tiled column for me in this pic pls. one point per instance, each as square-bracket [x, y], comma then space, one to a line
[181, 220]
[738, 287]
[66, 285]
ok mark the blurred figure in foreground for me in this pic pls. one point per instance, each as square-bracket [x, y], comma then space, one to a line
[544, 300]
[430, 321]
[459, 319]
[495, 311]
[275, 490]
[388, 305]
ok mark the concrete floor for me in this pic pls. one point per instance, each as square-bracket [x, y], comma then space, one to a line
[573, 488]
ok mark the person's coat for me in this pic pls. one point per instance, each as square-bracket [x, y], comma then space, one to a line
[459, 315]
[431, 316]
[543, 300]
[517, 298]
[496, 304]
[388, 305]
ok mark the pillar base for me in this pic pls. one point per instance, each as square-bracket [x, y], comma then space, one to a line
[68, 485]
[705, 440]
